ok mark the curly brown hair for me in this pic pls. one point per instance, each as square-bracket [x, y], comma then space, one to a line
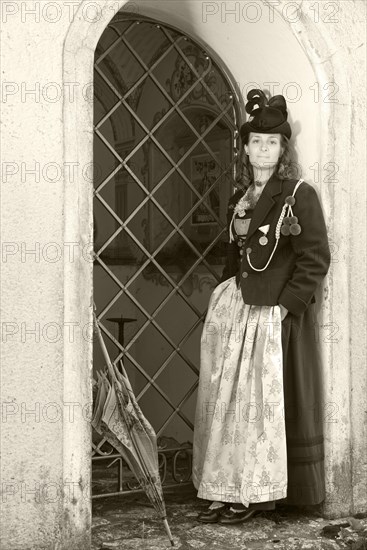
[286, 169]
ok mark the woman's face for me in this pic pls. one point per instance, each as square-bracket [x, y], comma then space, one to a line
[264, 150]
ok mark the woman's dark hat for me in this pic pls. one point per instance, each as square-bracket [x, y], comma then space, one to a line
[266, 116]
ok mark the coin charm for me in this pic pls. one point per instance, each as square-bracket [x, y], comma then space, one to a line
[263, 240]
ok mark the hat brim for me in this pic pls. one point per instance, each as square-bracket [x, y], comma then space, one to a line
[283, 129]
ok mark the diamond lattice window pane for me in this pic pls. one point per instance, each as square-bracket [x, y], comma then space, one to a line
[153, 164]
[105, 161]
[174, 195]
[176, 137]
[175, 74]
[178, 429]
[176, 379]
[104, 98]
[122, 131]
[121, 68]
[151, 287]
[149, 41]
[160, 213]
[155, 407]
[176, 326]
[149, 356]
[148, 93]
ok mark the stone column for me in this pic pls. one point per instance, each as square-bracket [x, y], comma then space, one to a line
[333, 38]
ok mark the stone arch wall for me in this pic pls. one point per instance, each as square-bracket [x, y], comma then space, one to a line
[319, 46]
[333, 59]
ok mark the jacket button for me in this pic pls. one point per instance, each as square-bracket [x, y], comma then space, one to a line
[244, 274]
[248, 250]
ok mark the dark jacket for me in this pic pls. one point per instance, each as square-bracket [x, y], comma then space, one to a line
[299, 263]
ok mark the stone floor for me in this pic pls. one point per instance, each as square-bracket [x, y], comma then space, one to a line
[129, 523]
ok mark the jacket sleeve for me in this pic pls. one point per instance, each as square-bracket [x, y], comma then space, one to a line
[232, 264]
[312, 251]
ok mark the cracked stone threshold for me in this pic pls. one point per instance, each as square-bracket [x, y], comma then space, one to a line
[130, 522]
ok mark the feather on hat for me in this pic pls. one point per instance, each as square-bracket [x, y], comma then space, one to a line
[266, 116]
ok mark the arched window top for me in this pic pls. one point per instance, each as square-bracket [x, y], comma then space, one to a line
[138, 57]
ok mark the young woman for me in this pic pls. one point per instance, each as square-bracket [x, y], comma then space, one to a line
[258, 428]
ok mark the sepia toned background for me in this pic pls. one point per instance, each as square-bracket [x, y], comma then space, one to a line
[315, 57]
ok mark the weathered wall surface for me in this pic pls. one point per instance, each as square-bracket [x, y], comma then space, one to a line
[337, 53]
[46, 217]
[32, 216]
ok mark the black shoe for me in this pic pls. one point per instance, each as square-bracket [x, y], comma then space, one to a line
[230, 518]
[211, 516]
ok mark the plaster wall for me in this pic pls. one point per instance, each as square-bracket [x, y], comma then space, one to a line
[46, 466]
[32, 216]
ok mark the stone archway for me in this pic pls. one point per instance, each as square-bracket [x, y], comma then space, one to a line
[320, 50]
[324, 49]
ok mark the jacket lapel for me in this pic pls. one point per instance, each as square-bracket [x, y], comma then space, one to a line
[265, 203]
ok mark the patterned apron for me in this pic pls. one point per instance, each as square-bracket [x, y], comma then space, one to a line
[239, 447]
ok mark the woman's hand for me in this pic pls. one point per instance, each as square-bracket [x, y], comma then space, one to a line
[283, 312]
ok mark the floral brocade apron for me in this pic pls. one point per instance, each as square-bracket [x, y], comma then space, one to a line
[239, 448]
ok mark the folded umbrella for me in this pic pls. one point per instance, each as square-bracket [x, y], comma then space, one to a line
[102, 403]
[119, 418]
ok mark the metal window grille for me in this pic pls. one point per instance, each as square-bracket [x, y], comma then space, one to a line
[154, 86]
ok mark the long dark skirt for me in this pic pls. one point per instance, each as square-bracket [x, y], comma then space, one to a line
[303, 409]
